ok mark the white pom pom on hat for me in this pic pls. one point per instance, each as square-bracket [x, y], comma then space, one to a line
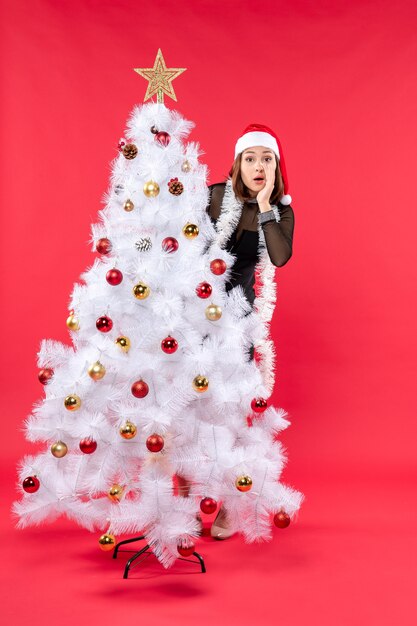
[260, 135]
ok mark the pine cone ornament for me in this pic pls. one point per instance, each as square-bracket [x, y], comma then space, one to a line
[129, 151]
[144, 244]
[175, 187]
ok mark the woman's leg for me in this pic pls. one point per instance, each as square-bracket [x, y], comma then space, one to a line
[220, 528]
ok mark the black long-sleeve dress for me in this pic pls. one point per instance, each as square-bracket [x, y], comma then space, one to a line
[244, 241]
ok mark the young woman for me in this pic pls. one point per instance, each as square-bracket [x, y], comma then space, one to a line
[258, 180]
[253, 201]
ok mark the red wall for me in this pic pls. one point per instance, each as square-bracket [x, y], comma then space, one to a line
[336, 81]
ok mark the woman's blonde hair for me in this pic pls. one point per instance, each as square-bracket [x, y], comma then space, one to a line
[242, 192]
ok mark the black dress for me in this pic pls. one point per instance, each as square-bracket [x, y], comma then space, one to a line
[244, 241]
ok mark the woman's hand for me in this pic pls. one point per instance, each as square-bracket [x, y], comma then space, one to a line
[265, 193]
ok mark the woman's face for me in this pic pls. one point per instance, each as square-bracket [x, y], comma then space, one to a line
[252, 168]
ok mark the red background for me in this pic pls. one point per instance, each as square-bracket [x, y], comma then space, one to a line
[337, 83]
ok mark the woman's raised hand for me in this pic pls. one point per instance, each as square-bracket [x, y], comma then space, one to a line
[265, 193]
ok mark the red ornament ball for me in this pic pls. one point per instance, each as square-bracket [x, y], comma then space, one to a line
[31, 484]
[114, 277]
[218, 267]
[88, 445]
[140, 389]
[282, 519]
[259, 405]
[103, 246]
[104, 324]
[155, 443]
[169, 345]
[45, 375]
[203, 290]
[208, 505]
[170, 244]
[186, 549]
[163, 138]
[122, 142]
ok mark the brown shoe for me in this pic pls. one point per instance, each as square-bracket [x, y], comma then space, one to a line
[220, 528]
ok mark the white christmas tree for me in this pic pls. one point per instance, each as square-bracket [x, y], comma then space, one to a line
[158, 382]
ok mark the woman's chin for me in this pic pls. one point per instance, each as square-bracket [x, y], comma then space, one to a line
[255, 190]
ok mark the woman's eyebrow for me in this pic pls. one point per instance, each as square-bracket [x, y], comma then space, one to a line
[253, 152]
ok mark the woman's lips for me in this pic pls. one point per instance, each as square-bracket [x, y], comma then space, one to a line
[258, 180]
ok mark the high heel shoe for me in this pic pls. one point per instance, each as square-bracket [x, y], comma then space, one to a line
[220, 528]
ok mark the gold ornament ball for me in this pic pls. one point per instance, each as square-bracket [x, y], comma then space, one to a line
[151, 189]
[123, 343]
[213, 312]
[128, 206]
[190, 230]
[200, 384]
[72, 403]
[72, 322]
[244, 483]
[186, 166]
[96, 371]
[128, 430]
[59, 449]
[115, 493]
[107, 542]
[141, 291]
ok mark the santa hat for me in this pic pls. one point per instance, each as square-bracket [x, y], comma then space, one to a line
[260, 135]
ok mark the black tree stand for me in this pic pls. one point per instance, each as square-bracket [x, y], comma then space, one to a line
[146, 551]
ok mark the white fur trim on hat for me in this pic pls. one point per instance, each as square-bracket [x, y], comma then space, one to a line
[249, 140]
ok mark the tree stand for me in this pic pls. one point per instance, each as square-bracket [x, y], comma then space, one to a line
[146, 551]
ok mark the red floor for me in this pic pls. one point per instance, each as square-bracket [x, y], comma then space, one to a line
[349, 560]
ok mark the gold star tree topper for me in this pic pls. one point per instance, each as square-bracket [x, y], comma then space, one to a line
[159, 78]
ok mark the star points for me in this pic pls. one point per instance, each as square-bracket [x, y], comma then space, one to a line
[160, 78]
